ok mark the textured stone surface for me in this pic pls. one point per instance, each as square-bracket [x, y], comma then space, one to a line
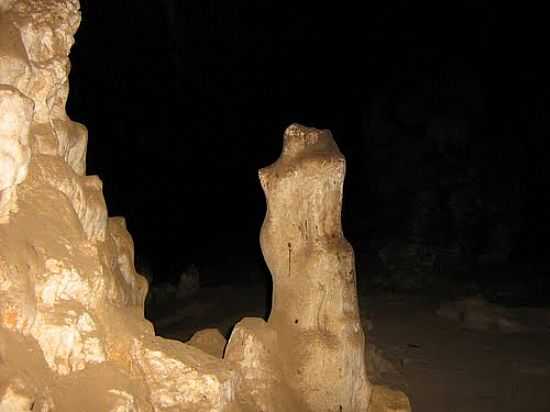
[182, 377]
[253, 347]
[15, 119]
[310, 353]
[387, 400]
[210, 341]
[71, 302]
[315, 311]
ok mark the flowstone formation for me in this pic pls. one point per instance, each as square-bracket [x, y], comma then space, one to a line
[72, 332]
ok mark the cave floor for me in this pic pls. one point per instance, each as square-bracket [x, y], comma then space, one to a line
[440, 365]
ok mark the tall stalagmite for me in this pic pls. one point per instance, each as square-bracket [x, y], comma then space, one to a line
[315, 314]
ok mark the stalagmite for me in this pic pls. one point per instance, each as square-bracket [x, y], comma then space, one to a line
[317, 335]
[315, 310]
[310, 354]
[72, 332]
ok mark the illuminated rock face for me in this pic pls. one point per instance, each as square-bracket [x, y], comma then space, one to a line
[315, 310]
[72, 330]
[314, 328]
[15, 119]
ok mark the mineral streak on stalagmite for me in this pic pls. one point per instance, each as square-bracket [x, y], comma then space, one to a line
[314, 309]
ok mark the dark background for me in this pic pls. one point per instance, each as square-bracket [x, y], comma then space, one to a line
[440, 111]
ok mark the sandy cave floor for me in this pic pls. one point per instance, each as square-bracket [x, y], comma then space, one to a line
[440, 365]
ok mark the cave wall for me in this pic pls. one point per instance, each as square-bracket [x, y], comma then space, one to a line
[71, 302]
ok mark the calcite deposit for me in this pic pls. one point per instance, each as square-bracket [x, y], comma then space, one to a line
[310, 354]
[72, 332]
[315, 316]
[15, 119]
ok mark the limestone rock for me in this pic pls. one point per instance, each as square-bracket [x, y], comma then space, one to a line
[16, 113]
[180, 377]
[313, 335]
[23, 372]
[253, 348]
[72, 331]
[84, 192]
[122, 262]
[35, 39]
[315, 310]
[210, 341]
[107, 388]
[388, 400]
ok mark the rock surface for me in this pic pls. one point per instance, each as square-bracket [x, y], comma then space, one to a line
[387, 400]
[210, 341]
[310, 354]
[71, 302]
[315, 311]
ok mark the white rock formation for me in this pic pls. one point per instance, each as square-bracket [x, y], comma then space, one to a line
[69, 293]
[210, 341]
[310, 354]
[16, 112]
[314, 327]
